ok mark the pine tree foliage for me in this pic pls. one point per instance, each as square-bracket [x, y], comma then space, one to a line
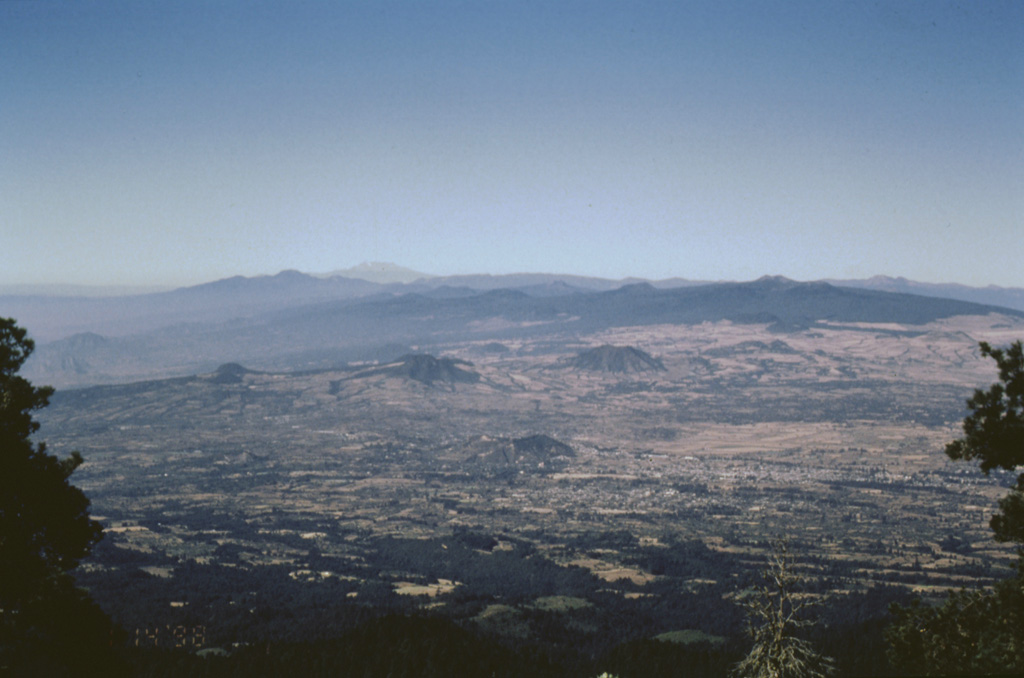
[776, 615]
[45, 530]
[971, 633]
[978, 632]
[994, 435]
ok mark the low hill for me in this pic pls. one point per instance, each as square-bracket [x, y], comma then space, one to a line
[537, 452]
[616, 359]
[429, 370]
[229, 373]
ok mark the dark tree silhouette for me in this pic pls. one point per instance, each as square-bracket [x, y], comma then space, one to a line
[47, 626]
[971, 633]
[994, 435]
[979, 631]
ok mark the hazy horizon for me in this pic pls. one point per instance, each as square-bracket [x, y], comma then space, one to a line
[101, 290]
[155, 144]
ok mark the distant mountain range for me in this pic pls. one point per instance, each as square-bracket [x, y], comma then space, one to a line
[297, 321]
[379, 272]
[60, 312]
[1010, 297]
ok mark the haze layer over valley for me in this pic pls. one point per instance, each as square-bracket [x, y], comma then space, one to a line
[296, 321]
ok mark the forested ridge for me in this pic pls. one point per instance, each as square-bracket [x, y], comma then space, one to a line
[516, 609]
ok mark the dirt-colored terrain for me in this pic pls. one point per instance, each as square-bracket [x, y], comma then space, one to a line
[832, 436]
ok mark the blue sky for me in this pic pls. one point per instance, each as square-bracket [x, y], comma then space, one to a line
[181, 142]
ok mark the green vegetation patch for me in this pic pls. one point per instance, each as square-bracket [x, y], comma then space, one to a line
[503, 620]
[560, 603]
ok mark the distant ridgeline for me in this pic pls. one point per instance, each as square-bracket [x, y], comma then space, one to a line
[289, 322]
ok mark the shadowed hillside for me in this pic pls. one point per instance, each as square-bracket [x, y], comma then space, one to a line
[429, 370]
[537, 452]
[616, 359]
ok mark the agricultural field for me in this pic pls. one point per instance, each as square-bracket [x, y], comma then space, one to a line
[505, 483]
